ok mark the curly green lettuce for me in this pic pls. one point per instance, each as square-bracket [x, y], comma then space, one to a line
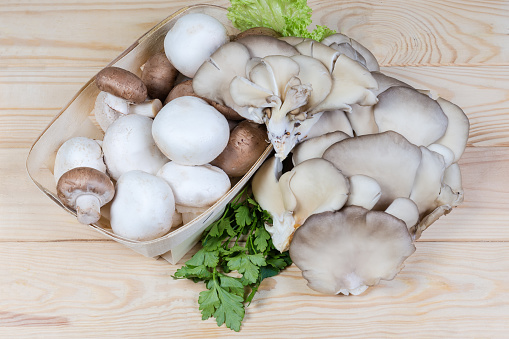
[290, 18]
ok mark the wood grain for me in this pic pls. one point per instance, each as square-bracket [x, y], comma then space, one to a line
[445, 289]
[61, 279]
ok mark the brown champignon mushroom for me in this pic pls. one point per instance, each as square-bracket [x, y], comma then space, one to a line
[246, 144]
[85, 190]
[121, 83]
[159, 76]
[186, 89]
[258, 31]
[350, 250]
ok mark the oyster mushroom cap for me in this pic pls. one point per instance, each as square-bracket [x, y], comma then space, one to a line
[364, 191]
[404, 209]
[212, 80]
[263, 45]
[314, 147]
[330, 121]
[338, 39]
[326, 55]
[456, 135]
[414, 115]
[350, 250]
[386, 157]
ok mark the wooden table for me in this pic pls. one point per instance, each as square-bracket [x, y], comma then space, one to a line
[59, 278]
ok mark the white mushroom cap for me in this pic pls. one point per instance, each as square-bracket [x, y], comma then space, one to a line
[128, 145]
[192, 40]
[456, 134]
[190, 131]
[143, 206]
[78, 152]
[405, 210]
[314, 147]
[347, 251]
[330, 121]
[195, 186]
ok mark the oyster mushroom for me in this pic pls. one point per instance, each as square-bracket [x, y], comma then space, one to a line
[349, 250]
[364, 191]
[143, 207]
[313, 186]
[337, 41]
[314, 147]
[85, 190]
[263, 45]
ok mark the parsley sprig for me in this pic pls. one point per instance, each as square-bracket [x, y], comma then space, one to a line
[238, 242]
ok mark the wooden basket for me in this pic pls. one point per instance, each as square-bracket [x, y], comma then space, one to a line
[76, 119]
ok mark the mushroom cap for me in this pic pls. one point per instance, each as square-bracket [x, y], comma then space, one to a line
[159, 75]
[386, 157]
[246, 144]
[190, 131]
[78, 152]
[121, 83]
[192, 40]
[85, 181]
[456, 134]
[258, 31]
[414, 115]
[348, 250]
[364, 191]
[128, 145]
[195, 186]
[143, 207]
[330, 121]
[314, 147]
[262, 45]
[404, 209]
[335, 41]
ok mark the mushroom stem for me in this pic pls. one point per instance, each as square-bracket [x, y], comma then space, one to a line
[88, 209]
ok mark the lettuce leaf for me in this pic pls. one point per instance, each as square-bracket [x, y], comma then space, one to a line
[290, 17]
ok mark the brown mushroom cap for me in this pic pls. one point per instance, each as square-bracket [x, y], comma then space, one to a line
[347, 251]
[258, 31]
[85, 181]
[246, 144]
[121, 83]
[186, 89]
[159, 76]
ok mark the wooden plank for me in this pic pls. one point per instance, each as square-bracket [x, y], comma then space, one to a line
[398, 32]
[101, 290]
[481, 91]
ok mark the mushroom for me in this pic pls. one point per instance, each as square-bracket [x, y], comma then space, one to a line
[414, 115]
[192, 40]
[196, 188]
[405, 210]
[364, 191]
[456, 135]
[128, 145]
[297, 194]
[121, 83]
[149, 108]
[337, 40]
[186, 89]
[386, 157]
[143, 207]
[258, 31]
[314, 147]
[349, 250]
[246, 144]
[190, 131]
[262, 45]
[85, 190]
[159, 75]
[78, 152]
[330, 121]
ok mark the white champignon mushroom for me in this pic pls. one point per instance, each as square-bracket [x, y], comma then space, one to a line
[128, 145]
[143, 206]
[192, 40]
[189, 131]
[349, 250]
[109, 108]
[78, 152]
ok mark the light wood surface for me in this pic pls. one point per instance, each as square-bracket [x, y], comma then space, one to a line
[62, 279]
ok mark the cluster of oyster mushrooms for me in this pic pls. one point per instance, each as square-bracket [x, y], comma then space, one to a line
[373, 160]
